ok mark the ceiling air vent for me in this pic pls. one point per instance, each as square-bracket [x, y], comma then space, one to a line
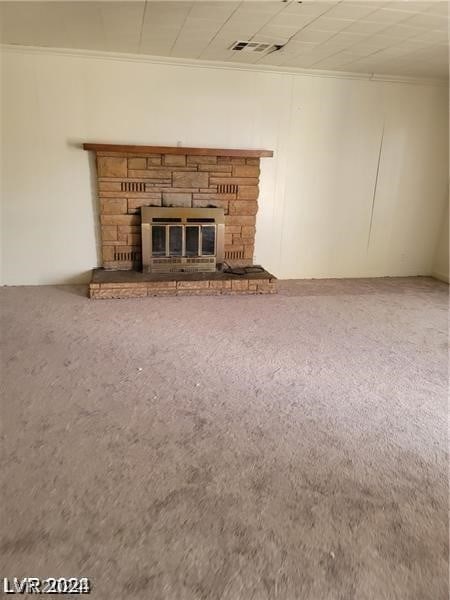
[252, 47]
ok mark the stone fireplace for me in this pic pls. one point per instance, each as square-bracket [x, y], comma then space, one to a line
[174, 210]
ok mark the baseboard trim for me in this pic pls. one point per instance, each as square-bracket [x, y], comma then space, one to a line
[441, 276]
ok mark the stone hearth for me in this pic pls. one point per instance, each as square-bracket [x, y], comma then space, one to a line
[134, 284]
[131, 177]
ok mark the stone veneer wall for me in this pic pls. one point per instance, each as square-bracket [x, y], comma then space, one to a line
[127, 181]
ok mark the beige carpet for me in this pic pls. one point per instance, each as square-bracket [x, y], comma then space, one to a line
[289, 447]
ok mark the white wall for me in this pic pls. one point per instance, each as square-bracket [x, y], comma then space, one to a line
[318, 217]
[441, 259]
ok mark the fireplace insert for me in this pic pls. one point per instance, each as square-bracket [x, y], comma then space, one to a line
[182, 239]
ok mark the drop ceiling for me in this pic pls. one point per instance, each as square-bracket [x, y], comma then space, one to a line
[397, 38]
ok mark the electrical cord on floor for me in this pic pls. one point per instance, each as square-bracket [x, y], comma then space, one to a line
[242, 270]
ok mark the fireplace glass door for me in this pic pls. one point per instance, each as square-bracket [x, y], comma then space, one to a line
[158, 240]
[175, 240]
[192, 240]
[182, 240]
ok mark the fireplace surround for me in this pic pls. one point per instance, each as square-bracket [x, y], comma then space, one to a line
[213, 195]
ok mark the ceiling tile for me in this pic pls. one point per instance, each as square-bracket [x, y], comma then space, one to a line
[324, 23]
[428, 21]
[387, 16]
[243, 23]
[291, 20]
[246, 58]
[432, 36]
[32, 25]
[380, 41]
[401, 31]
[184, 49]
[365, 27]
[267, 7]
[438, 8]
[301, 62]
[166, 14]
[412, 44]
[342, 58]
[347, 38]
[309, 8]
[312, 35]
[194, 26]
[361, 50]
[351, 10]
[275, 59]
[214, 53]
[295, 47]
[282, 34]
[408, 6]
[217, 11]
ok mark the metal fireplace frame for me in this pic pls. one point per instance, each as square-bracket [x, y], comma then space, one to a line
[185, 217]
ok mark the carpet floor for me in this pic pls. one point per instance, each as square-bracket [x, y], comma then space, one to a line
[288, 447]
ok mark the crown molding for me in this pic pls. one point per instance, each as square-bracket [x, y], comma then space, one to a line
[231, 66]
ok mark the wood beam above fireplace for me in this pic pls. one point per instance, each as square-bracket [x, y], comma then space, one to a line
[178, 150]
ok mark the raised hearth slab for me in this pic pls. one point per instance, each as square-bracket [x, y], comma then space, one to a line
[135, 284]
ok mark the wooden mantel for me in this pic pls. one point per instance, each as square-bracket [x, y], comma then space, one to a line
[178, 150]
